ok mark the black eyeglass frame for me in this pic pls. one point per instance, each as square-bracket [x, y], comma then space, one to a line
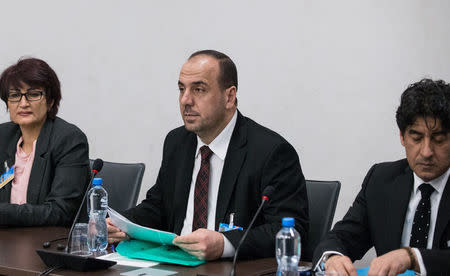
[27, 96]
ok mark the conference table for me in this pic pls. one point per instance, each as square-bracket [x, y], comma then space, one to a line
[18, 257]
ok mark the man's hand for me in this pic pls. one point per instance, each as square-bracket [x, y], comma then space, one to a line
[391, 263]
[203, 243]
[342, 264]
[114, 233]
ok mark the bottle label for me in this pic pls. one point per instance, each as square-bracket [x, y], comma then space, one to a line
[104, 202]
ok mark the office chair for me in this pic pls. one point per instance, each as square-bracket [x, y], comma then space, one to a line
[322, 200]
[122, 182]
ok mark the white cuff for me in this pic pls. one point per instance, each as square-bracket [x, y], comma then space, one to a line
[423, 270]
[228, 248]
[325, 254]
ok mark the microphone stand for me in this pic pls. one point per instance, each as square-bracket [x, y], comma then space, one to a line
[79, 211]
[56, 260]
[265, 198]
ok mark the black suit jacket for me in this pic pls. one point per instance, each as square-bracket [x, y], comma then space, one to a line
[377, 216]
[256, 157]
[58, 177]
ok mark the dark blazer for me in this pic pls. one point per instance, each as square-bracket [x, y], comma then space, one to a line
[377, 216]
[256, 157]
[58, 177]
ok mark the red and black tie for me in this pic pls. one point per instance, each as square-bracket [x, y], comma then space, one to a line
[201, 191]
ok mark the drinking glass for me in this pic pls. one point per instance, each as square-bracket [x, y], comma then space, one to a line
[79, 242]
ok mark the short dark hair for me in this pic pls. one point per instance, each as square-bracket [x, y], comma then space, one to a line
[228, 72]
[33, 72]
[426, 98]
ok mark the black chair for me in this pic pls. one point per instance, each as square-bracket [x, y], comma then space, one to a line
[322, 200]
[122, 182]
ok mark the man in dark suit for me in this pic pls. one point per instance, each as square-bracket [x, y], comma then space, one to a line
[219, 164]
[403, 208]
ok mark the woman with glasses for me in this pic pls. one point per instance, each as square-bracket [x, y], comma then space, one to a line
[43, 159]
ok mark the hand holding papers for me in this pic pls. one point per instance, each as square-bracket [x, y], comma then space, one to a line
[139, 232]
[150, 244]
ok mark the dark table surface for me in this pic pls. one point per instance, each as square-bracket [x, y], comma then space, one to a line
[18, 257]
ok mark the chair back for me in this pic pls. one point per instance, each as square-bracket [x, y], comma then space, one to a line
[322, 200]
[122, 182]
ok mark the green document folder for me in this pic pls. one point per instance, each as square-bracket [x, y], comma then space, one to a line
[150, 244]
[364, 271]
[139, 249]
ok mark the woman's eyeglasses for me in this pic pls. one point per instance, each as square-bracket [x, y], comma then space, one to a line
[30, 96]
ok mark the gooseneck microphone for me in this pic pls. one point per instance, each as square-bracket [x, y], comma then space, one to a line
[96, 168]
[267, 193]
[56, 260]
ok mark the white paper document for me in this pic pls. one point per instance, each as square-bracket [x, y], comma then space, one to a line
[122, 260]
[149, 272]
[139, 232]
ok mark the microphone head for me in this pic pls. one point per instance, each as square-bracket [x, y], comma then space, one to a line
[267, 193]
[98, 165]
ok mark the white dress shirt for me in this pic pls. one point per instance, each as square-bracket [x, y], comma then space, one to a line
[435, 198]
[219, 147]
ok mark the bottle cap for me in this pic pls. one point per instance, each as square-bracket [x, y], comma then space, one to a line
[288, 222]
[97, 181]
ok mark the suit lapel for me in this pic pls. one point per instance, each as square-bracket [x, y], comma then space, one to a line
[12, 147]
[399, 201]
[443, 215]
[5, 192]
[184, 179]
[233, 161]
[40, 160]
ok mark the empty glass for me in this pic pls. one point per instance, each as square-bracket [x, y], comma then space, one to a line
[79, 242]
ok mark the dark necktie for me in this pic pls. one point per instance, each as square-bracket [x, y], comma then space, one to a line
[421, 224]
[201, 191]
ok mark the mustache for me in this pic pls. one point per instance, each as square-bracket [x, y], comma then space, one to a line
[188, 110]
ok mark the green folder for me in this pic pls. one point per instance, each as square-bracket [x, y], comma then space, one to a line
[139, 249]
[364, 271]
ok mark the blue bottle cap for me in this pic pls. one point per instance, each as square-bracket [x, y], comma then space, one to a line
[97, 181]
[288, 222]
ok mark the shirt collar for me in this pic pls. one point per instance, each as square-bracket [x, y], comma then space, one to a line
[437, 183]
[219, 145]
[20, 151]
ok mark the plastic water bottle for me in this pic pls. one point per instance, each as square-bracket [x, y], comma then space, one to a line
[288, 249]
[97, 205]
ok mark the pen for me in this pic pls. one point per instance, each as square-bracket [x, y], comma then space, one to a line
[231, 225]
